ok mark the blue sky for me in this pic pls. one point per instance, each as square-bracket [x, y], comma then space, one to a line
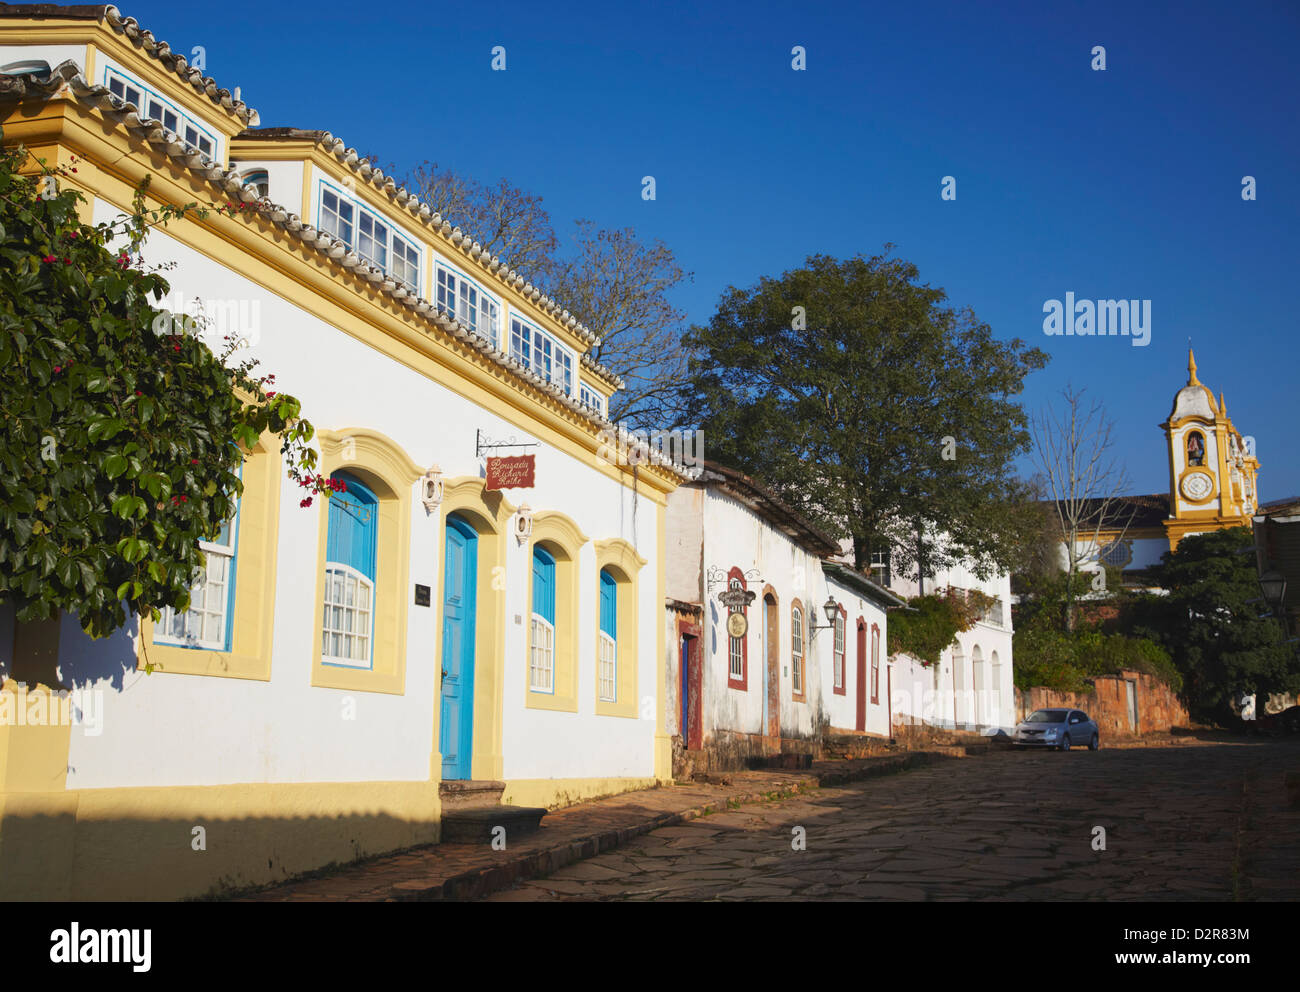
[1123, 183]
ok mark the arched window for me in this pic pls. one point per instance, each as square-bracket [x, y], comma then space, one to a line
[1195, 448]
[837, 663]
[259, 179]
[347, 627]
[737, 647]
[796, 648]
[608, 648]
[617, 564]
[541, 668]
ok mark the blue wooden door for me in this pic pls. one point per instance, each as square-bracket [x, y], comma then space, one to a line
[456, 722]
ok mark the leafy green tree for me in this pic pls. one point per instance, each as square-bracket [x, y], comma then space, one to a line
[121, 432]
[1214, 626]
[880, 412]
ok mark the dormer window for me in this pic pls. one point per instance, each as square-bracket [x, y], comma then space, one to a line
[155, 107]
[542, 354]
[460, 297]
[259, 179]
[370, 236]
[590, 398]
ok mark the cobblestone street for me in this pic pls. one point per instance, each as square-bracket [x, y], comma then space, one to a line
[1209, 823]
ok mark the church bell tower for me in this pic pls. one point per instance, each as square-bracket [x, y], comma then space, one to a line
[1212, 468]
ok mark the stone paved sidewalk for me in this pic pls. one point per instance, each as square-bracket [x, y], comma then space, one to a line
[571, 834]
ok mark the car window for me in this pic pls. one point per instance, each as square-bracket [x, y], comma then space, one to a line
[1046, 716]
[1076, 718]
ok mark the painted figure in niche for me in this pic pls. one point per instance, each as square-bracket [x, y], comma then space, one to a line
[1195, 449]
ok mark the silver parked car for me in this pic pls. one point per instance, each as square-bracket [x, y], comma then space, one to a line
[1061, 729]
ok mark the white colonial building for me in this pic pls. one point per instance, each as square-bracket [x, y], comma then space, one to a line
[345, 667]
[756, 667]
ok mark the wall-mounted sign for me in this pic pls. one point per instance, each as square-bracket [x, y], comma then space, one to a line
[735, 599]
[421, 595]
[511, 472]
[737, 625]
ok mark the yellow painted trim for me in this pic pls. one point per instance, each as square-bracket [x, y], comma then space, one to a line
[136, 843]
[624, 564]
[663, 741]
[384, 466]
[563, 538]
[256, 542]
[489, 514]
[555, 793]
[35, 732]
[121, 50]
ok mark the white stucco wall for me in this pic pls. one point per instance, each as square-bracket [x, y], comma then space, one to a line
[171, 729]
[968, 693]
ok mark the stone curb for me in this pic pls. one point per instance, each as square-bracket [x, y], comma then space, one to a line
[479, 882]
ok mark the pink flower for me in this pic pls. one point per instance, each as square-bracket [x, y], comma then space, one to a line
[306, 502]
[48, 259]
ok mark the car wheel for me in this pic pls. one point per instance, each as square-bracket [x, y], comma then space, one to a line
[1065, 743]
[1094, 743]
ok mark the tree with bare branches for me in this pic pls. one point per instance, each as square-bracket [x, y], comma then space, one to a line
[504, 219]
[614, 282]
[1084, 481]
[618, 286]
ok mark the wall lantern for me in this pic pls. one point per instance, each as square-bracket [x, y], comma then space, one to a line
[523, 523]
[832, 611]
[431, 488]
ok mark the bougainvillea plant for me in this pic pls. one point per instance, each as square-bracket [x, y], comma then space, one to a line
[933, 622]
[122, 433]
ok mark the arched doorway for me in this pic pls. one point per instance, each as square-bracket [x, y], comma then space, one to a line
[976, 685]
[772, 670]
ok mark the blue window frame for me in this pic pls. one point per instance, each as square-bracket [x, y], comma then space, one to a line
[542, 354]
[209, 622]
[462, 298]
[607, 650]
[370, 236]
[541, 667]
[150, 104]
[589, 397]
[347, 626]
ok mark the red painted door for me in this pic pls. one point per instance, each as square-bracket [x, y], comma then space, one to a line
[862, 674]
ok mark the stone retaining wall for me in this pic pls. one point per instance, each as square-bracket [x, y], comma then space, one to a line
[1158, 707]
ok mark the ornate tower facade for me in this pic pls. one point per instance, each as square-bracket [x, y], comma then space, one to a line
[1212, 468]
